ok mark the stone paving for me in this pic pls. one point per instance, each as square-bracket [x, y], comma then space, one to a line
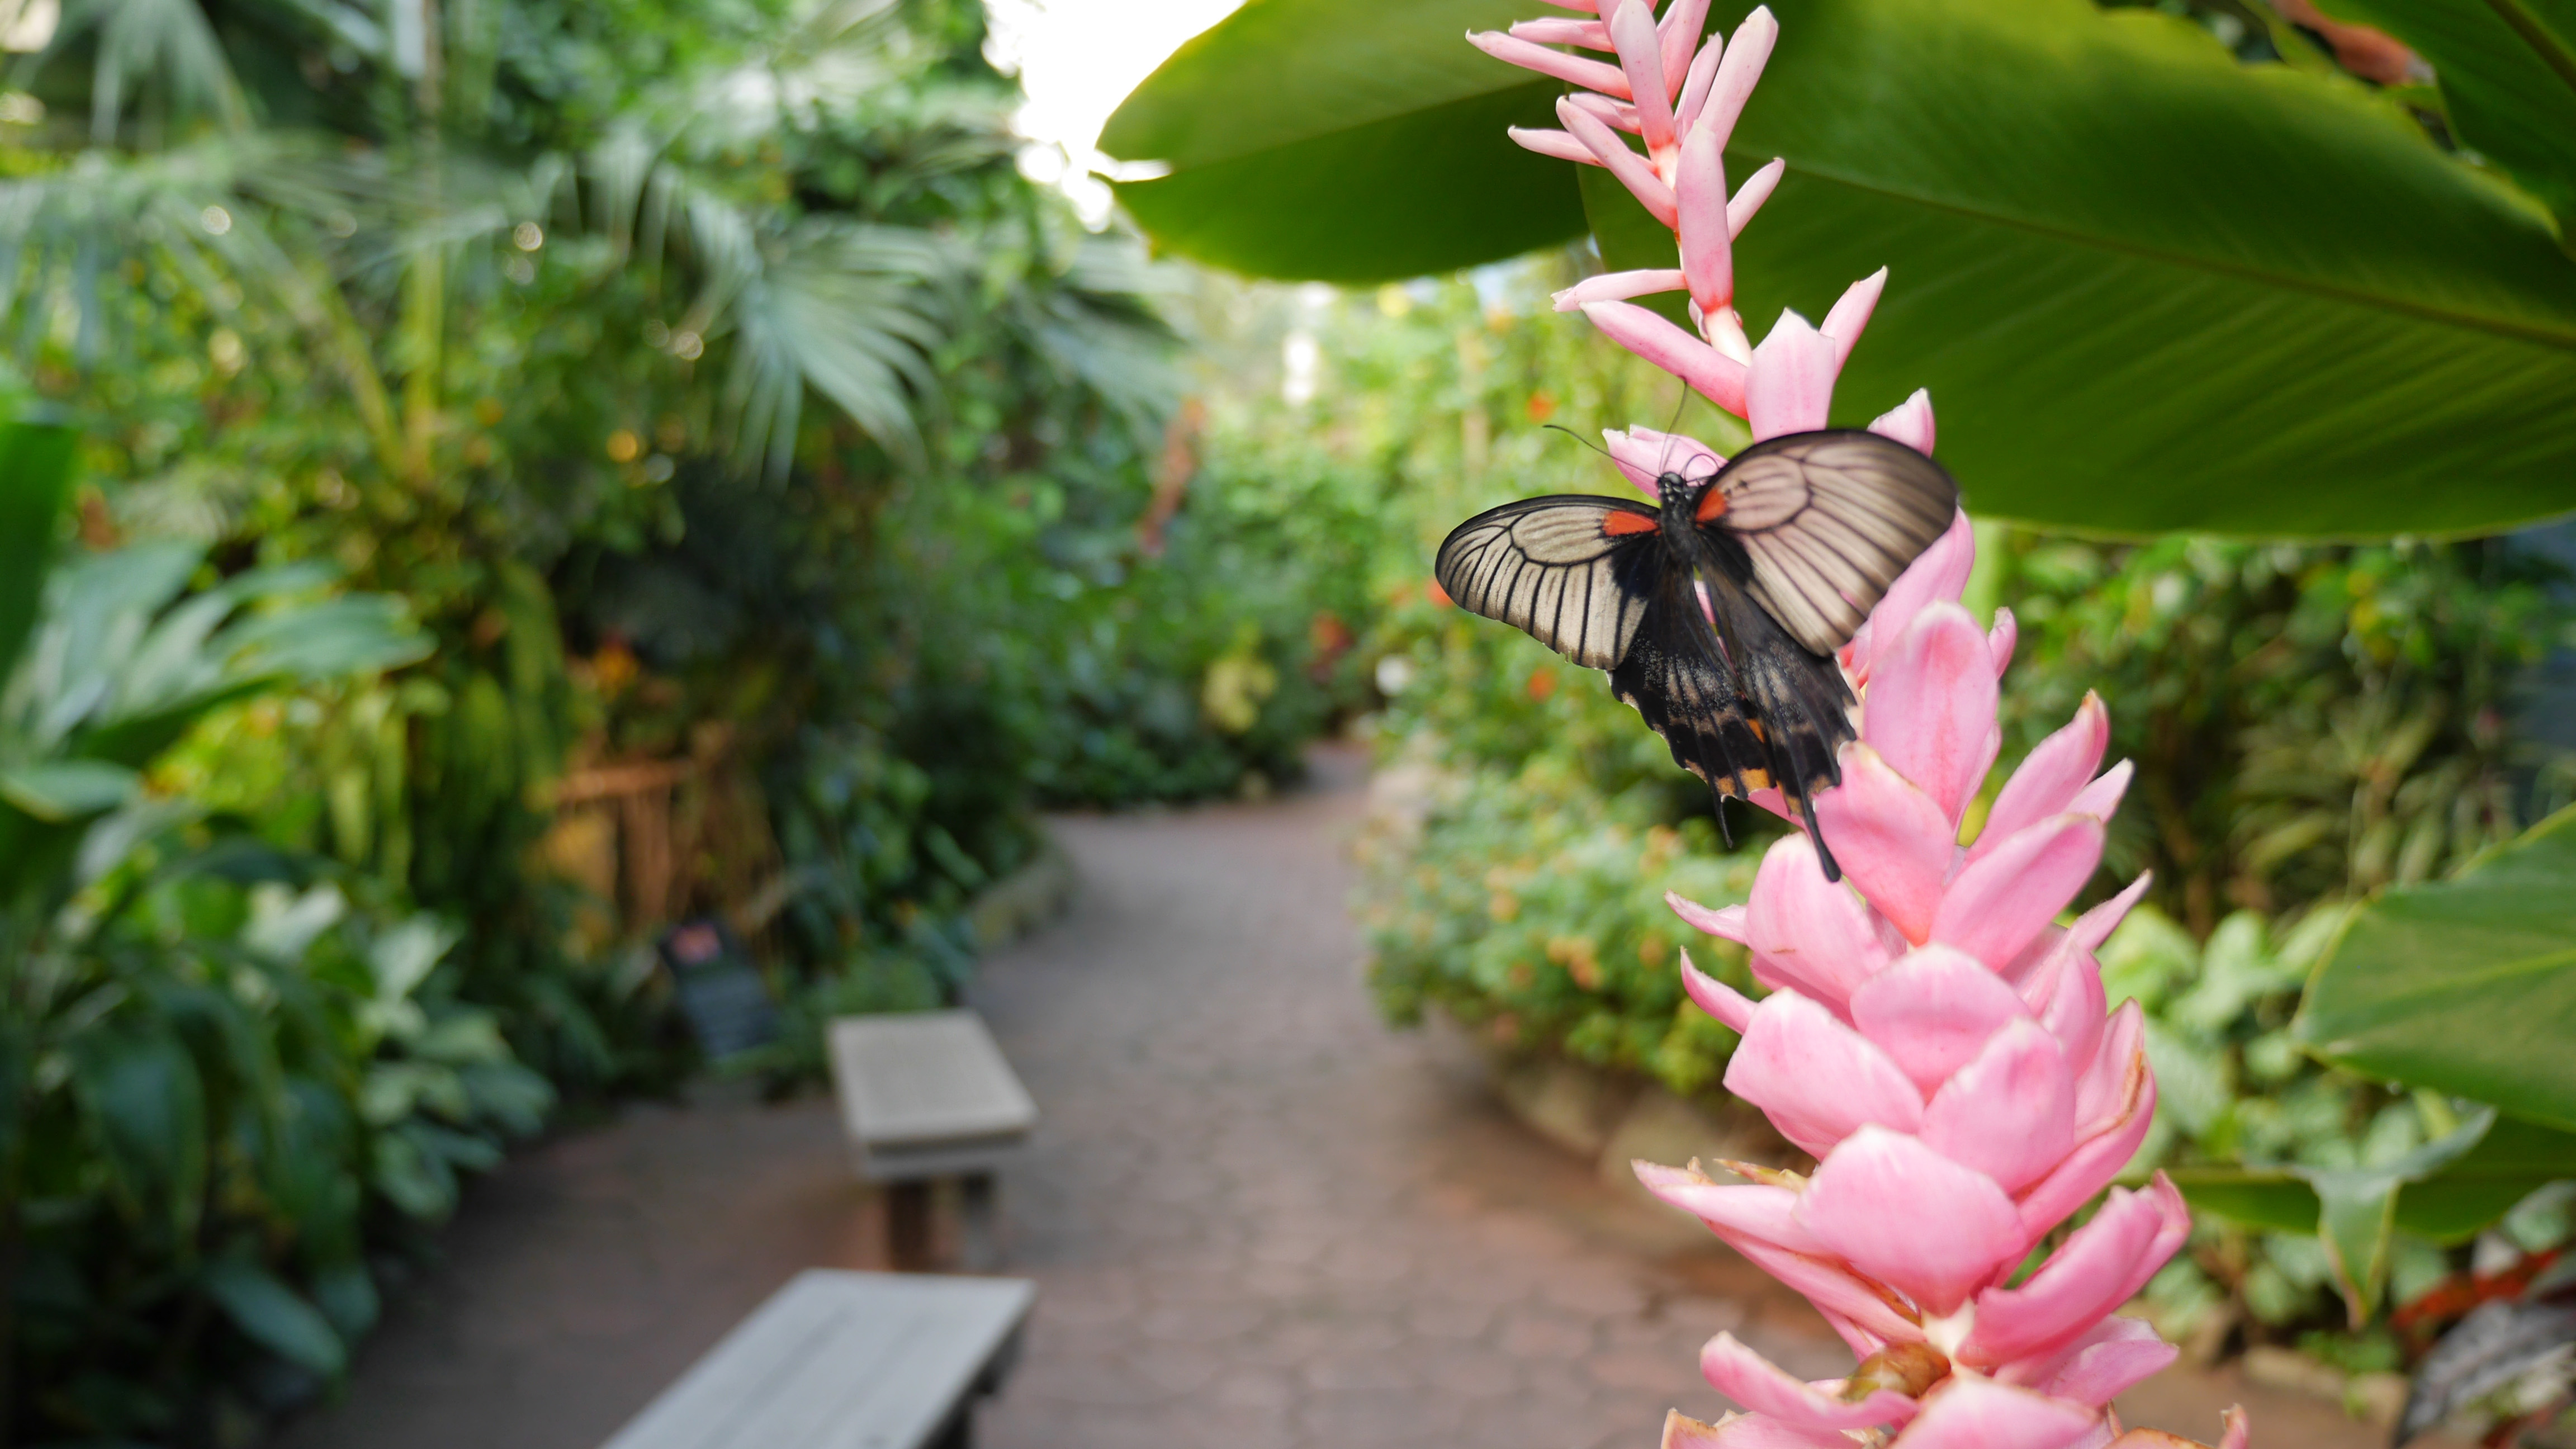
[1256, 1217]
[1260, 1219]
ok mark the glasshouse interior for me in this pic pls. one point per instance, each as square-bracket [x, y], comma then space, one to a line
[1121, 724]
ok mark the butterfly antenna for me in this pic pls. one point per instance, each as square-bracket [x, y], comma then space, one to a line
[1670, 429]
[1578, 437]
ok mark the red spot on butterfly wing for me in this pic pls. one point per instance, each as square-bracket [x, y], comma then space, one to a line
[1618, 522]
[1711, 505]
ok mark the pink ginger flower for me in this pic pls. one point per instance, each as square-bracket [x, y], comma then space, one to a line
[1934, 1041]
[1943, 1050]
[1682, 99]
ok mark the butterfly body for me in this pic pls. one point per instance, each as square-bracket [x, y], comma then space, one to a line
[1717, 613]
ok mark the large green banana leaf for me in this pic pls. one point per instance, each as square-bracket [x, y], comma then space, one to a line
[2149, 287]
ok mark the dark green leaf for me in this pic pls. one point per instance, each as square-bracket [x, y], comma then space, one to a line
[146, 1112]
[2261, 1197]
[35, 476]
[2507, 69]
[1345, 140]
[274, 1316]
[2149, 287]
[2467, 986]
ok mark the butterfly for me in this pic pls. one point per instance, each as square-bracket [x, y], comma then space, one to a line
[1717, 614]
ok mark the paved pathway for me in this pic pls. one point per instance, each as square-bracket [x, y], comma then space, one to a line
[1257, 1218]
[1260, 1219]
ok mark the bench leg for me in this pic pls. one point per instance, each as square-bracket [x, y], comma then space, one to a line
[981, 1221]
[912, 1227]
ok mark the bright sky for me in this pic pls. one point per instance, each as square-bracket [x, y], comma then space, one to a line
[1078, 59]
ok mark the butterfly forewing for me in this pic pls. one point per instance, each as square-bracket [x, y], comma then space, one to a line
[1575, 571]
[1828, 521]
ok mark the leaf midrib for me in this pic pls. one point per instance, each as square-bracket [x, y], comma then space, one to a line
[2552, 51]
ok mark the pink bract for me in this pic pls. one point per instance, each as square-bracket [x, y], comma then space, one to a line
[1941, 1048]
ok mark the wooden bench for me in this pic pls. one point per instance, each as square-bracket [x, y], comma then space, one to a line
[926, 1096]
[839, 1360]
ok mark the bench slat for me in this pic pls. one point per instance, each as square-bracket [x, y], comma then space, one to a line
[839, 1360]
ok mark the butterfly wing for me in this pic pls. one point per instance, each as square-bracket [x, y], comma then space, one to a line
[1574, 571]
[1677, 681]
[1827, 520]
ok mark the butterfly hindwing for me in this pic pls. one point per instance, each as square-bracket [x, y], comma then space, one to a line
[1678, 683]
[1827, 521]
[1574, 571]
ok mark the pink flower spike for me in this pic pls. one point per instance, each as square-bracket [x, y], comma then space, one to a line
[1748, 198]
[1755, 1212]
[1641, 59]
[1590, 34]
[1633, 170]
[2102, 797]
[1909, 422]
[2001, 638]
[1747, 51]
[1618, 115]
[2115, 1357]
[2238, 1429]
[2105, 1085]
[2095, 926]
[1807, 931]
[1892, 840]
[1721, 1001]
[2091, 1166]
[1753, 1381]
[2002, 901]
[1931, 711]
[1850, 315]
[2078, 1010]
[1588, 7]
[1710, 374]
[1680, 28]
[1790, 386]
[2101, 1266]
[1615, 286]
[1901, 1213]
[1933, 1011]
[1725, 330]
[1746, 1431]
[1558, 144]
[2049, 777]
[1645, 455]
[1699, 189]
[1703, 71]
[1592, 75]
[2010, 1113]
[1968, 1412]
[1817, 1079]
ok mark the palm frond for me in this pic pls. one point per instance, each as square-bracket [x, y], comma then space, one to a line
[852, 313]
[169, 42]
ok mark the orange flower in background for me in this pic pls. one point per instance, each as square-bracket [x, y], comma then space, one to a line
[1542, 406]
[1436, 594]
[2373, 55]
[1542, 683]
